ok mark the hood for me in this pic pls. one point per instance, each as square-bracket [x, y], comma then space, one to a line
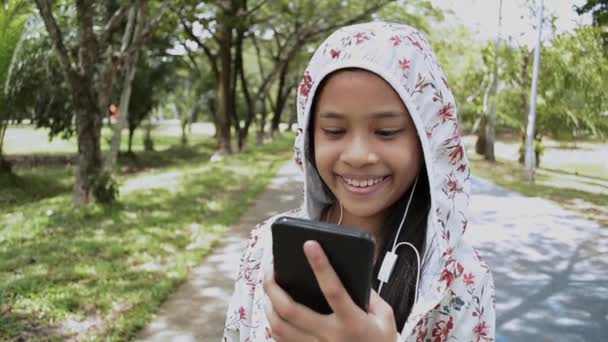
[403, 58]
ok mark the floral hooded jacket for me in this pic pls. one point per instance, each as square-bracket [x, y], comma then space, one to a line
[456, 292]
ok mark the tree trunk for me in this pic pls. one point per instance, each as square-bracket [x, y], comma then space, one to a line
[148, 141]
[130, 66]
[250, 110]
[184, 126]
[480, 144]
[236, 72]
[5, 166]
[3, 128]
[281, 99]
[130, 145]
[224, 107]
[88, 122]
[121, 123]
[530, 158]
[211, 106]
[491, 124]
[262, 122]
[524, 85]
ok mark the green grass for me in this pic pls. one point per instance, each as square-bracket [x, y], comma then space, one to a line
[27, 140]
[568, 193]
[99, 273]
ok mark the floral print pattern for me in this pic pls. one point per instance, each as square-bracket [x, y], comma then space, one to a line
[456, 291]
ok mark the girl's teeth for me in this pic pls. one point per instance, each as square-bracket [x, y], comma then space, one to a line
[363, 183]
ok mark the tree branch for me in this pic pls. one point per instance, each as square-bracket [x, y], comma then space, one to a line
[113, 24]
[87, 49]
[210, 55]
[258, 54]
[358, 18]
[190, 55]
[255, 8]
[140, 39]
[206, 26]
[44, 7]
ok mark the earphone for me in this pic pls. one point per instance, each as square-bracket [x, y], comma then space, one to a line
[390, 258]
[388, 263]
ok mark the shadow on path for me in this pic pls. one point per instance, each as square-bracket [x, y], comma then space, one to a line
[550, 268]
[196, 311]
[549, 265]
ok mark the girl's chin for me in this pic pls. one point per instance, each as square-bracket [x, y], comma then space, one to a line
[363, 211]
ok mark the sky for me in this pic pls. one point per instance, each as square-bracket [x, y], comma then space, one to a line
[481, 16]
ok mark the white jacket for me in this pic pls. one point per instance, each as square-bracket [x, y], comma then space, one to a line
[456, 291]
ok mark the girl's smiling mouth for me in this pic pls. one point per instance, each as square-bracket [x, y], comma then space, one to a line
[362, 185]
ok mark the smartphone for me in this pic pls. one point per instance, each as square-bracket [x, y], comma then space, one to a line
[350, 252]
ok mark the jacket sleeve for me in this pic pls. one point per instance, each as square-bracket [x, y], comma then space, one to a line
[478, 321]
[238, 316]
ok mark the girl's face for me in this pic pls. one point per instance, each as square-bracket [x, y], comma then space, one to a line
[366, 146]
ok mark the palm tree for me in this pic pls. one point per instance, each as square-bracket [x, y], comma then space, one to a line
[13, 16]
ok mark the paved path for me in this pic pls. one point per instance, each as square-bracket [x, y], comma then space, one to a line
[550, 267]
[196, 311]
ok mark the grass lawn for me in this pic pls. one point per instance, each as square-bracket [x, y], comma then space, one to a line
[99, 273]
[584, 195]
[26, 140]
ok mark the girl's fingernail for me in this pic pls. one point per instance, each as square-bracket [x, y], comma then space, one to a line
[311, 249]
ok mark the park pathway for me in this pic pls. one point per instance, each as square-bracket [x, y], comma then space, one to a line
[550, 268]
[196, 311]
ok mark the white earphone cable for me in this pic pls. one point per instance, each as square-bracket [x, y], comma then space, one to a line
[391, 257]
[407, 208]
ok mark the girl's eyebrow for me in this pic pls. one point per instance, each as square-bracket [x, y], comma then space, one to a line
[332, 115]
[388, 115]
[377, 115]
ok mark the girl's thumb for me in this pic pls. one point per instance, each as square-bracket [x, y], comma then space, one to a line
[376, 303]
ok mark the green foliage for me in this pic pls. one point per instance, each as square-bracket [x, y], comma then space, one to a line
[598, 9]
[13, 17]
[460, 57]
[153, 81]
[38, 91]
[418, 14]
[573, 100]
[105, 189]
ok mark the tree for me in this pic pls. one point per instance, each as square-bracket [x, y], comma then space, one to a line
[138, 30]
[281, 29]
[13, 17]
[153, 81]
[490, 126]
[90, 76]
[599, 12]
[37, 90]
[572, 86]
[293, 29]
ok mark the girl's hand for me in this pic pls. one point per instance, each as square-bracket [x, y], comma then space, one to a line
[291, 321]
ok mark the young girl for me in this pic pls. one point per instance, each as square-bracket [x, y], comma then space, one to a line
[379, 144]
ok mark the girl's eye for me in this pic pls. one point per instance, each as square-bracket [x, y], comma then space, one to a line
[388, 133]
[333, 132]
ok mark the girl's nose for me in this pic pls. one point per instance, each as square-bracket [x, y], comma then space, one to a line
[359, 153]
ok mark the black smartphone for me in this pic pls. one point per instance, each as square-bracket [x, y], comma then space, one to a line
[349, 250]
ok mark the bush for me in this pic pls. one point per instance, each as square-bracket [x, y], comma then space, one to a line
[105, 189]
